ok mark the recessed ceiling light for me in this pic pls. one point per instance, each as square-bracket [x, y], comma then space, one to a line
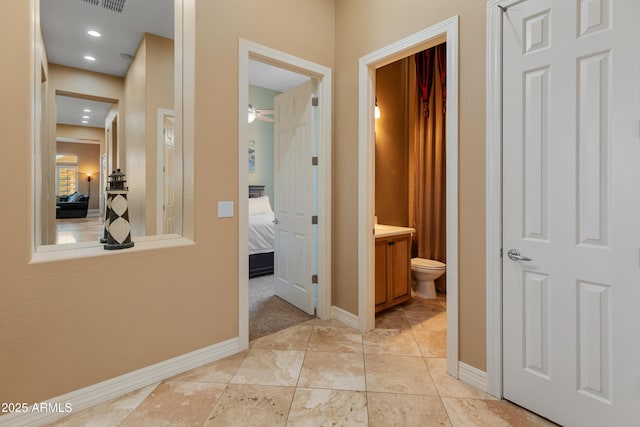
[86, 110]
[94, 33]
[85, 117]
[89, 58]
[85, 121]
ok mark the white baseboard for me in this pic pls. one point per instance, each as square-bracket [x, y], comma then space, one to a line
[473, 376]
[344, 316]
[118, 386]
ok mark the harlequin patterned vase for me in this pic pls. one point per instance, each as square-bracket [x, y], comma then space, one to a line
[107, 217]
[118, 229]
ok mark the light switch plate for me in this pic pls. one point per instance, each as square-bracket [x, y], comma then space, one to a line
[225, 209]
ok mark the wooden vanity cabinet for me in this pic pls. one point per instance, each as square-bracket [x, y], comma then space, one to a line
[393, 270]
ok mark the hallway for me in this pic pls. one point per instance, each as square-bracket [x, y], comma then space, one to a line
[322, 373]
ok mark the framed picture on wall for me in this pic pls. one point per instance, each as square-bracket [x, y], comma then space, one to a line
[252, 155]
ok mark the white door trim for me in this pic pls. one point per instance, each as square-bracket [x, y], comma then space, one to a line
[366, 173]
[249, 49]
[494, 195]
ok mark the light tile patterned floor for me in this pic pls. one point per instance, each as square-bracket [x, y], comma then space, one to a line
[322, 373]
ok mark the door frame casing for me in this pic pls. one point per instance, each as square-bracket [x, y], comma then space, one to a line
[323, 76]
[494, 194]
[366, 174]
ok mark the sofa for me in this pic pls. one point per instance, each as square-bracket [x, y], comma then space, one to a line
[74, 205]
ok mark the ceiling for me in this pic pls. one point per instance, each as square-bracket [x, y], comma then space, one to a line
[71, 111]
[64, 28]
[270, 77]
[65, 24]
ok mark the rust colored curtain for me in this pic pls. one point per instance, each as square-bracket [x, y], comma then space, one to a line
[429, 204]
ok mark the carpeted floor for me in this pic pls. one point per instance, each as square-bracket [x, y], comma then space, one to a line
[269, 313]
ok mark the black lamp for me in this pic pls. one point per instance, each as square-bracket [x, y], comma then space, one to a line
[89, 181]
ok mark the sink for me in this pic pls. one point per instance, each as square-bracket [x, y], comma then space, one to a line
[383, 227]
[383, 230]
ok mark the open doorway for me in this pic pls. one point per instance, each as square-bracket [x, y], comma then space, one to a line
[166, 196]
[304, 248]
[272, 307]
[446, 31]
[410, 198]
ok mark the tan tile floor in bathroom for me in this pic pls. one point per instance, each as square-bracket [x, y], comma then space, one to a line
[322, 373]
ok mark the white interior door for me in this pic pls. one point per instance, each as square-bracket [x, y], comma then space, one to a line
[293, 197]
[168, 175]
[571, 162]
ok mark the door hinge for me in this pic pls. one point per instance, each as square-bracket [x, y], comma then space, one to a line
[314, 279]
[314, 161]
[500, 252]
[314, 219]
[314, 101]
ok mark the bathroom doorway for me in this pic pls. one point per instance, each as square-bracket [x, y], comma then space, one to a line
[446, 31]
[410, 198]
[410, 153]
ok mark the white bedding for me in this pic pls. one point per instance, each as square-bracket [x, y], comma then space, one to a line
[261, 232]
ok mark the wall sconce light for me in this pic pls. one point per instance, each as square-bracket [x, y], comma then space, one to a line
[377, 111]
[252, 113]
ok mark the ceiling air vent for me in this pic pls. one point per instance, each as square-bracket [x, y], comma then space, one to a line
[114, 5]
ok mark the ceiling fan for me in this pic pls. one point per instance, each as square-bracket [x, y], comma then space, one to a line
[259, 114]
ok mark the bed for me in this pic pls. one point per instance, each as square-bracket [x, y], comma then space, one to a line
[261, 232]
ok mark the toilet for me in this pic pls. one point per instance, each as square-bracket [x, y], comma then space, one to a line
[426, 272]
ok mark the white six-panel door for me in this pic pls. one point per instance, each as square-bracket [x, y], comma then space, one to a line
[571, 191]
[169, 178]
[293, 197]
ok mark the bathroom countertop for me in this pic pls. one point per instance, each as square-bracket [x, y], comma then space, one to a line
[381, 230]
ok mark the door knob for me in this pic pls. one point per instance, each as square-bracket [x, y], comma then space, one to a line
[514, 255]
[275, 221]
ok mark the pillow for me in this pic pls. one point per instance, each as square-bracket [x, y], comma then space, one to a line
[259, 205]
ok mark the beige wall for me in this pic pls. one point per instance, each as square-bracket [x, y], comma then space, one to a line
[392, 145]
[66, 325]
[148, 87]
[132, 147]
[159, 94]
[362, 27]
[61, 331]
